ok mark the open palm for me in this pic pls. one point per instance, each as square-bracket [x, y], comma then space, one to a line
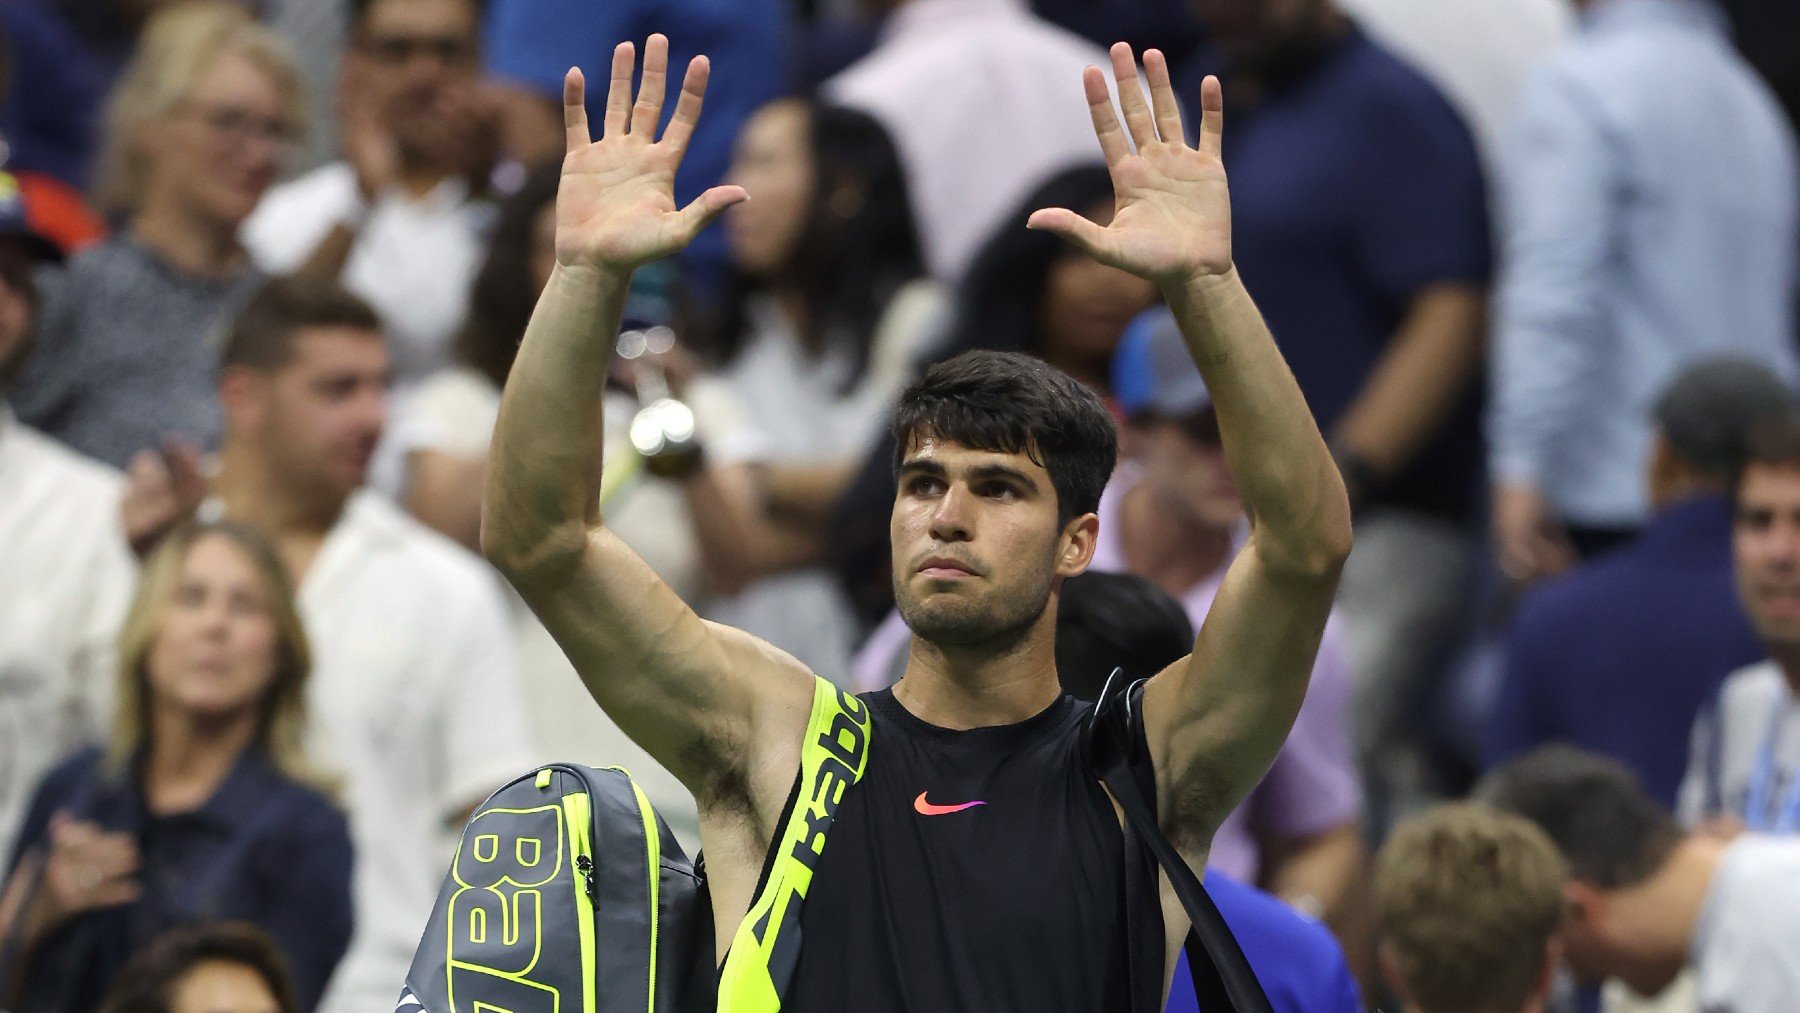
[615, 206]
[1171, 211]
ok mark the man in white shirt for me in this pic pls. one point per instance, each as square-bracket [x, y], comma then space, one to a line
[400, 219]
[415, 689]
[1646, 899]
[1745, 751]
[964, 175]
[65, 572]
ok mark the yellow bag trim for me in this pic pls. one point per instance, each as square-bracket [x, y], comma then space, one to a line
[833, 756]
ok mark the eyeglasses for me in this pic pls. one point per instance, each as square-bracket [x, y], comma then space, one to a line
[244, 125]
[400, 50]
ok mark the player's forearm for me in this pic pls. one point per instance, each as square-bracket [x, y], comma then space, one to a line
[544, 463]
[1290, 485]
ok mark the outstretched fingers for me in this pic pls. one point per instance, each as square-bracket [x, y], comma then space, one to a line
[648, 111]
[1212, 117]
[1106, 121]
[1162, 98]
[575, 125]
[618, 92]
[687, 106]
[1131, 97]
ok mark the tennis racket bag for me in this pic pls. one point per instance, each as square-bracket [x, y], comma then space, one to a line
[569, 894]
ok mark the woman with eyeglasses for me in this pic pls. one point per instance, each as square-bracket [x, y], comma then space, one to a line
[201, 806]
[196, 131]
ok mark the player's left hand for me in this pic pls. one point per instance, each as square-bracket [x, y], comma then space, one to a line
[1172, 213]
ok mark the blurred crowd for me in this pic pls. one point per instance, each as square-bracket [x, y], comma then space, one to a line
[264, 266]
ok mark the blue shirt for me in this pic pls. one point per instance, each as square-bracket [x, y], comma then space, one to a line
[1355, 185]
[1619, 656]
[1650, 219]
[55, 85]
[535, 42]
[262, 849]
[1297, 960]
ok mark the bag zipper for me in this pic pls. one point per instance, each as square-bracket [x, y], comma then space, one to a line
[578, 812]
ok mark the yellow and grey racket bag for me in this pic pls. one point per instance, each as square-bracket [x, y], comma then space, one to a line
[569, 894]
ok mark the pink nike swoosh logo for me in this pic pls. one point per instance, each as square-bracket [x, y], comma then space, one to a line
[927, 809]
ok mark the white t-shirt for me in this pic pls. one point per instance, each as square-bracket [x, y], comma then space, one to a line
[413, 260]
[416, 700]
[983, 100]
[1744, 952]
[1728, 745]
[66, 579]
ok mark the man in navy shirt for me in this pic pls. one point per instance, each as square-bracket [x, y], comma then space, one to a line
[1618, 656]
[1362, 231]
[533, 43]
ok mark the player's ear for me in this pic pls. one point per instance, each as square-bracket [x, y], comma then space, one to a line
[1075, 550]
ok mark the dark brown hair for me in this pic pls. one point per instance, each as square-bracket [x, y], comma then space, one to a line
[504, 293]
[1775, 443]
[147, 983]
[1012, 403]
[1609, 830]
[262, 335]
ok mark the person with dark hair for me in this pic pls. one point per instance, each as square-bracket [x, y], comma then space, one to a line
[401, 217]
[1468, 907]
[1620, 655]
[416, 684]
[203, 802]
[1744, 759]
[1115, 620]
[1646, 899]
[1107, 621]
[212, 967]
[197, 131]
[973, 757]
[826, 309]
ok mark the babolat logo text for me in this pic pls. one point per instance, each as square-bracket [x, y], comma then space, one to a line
[844, 744]
[507, 858]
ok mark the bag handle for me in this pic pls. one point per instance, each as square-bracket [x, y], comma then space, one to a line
[1113, 743]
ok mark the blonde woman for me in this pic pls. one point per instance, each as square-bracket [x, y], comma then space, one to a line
[201, 806]
[196, 131]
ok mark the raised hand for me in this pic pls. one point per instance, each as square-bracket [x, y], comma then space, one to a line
[1171, 210]
[615, 206]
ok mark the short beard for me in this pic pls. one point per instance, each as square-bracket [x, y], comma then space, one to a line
[997, 621]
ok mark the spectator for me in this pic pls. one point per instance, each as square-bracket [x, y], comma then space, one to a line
[1651, 222]
[215, 967]
[1116, 620]
[196, 133]
[59, 522]
[1026, 292]
[1619, 656]
[1468, 903]
[533, 43]
[964, 175]
[203, 803]
[1744, 763]
[1172, 514]
[1360, 227]
[1644, 899]
[825, 312]
[1479, 52]
[416, 683]
[401, 219]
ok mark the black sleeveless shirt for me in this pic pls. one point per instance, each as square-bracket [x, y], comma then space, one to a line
[975, 870]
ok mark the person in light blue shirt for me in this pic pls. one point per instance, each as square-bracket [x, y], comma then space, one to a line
[1650, 218]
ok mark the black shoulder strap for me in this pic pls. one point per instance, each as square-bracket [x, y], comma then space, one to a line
[1113, 744]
